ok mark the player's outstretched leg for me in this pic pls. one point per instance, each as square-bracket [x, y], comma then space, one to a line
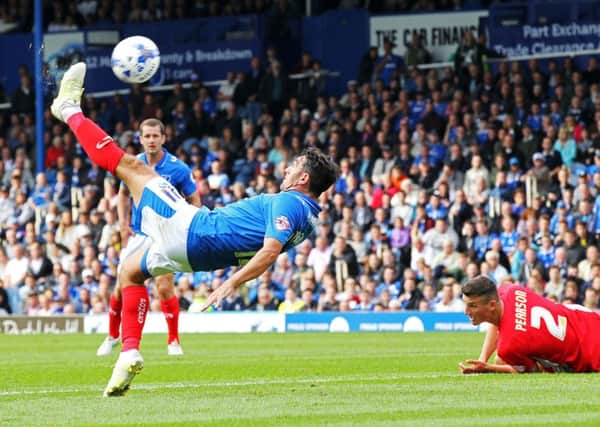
[114, 324]
[98, 145]
[66, 107]
[169, 305]
[135, 307]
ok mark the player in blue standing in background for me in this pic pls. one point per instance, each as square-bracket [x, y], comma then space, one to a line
[250, 233]
[152, 139]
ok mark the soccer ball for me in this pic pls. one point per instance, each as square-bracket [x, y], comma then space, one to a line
[135, 59]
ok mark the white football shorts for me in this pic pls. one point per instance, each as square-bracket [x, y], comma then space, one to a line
[165, 220]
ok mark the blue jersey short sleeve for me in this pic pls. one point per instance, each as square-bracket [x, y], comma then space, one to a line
[285, 215]
[185, 183]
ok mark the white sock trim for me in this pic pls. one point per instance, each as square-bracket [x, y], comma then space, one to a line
[69, 110]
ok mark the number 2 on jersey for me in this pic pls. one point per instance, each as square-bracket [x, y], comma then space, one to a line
[557, 328]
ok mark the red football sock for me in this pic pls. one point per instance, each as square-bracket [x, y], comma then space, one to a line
[170, 309]
[135, 306]
[114, 316]
[98, 145]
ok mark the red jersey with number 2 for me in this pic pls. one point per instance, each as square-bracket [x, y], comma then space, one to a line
[535, 329]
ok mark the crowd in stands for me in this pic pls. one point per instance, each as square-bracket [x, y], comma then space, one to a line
[64, 15]
[444, 175]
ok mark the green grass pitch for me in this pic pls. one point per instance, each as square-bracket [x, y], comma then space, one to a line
[368, 379]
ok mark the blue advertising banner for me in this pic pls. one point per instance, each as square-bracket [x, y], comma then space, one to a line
[208, 48]
[16, 50]
[209, 61]
[551, 38]
[377, 322]
[338, 38]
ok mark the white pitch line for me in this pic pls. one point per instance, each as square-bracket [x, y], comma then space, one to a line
[165, 361]
[162, 386]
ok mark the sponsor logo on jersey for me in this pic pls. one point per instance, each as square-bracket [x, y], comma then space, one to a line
[282, 223]
[296, 238]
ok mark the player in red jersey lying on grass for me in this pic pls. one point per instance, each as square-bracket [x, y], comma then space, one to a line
[529, 332]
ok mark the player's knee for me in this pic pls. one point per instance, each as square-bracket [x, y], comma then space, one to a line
[165, 287]
[134, 166]
[131, 275]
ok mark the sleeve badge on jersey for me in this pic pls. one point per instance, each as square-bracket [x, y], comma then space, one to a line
[282, 223]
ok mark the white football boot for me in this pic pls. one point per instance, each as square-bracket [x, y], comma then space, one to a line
[128, 365]
[107, 346]
[68, 100]
[174, 349]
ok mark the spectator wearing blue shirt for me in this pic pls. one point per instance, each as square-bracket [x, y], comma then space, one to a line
[435, 209]
[555, 113]
[518, 205]
[518, 259]
[437, 149]
[513, 176]
[245, 169]
[417, 107]
[389, 282]
[41, 194]
[424, 156]
[364, 167]
[439, 106]
[482, 134]
[545, 253]
[519, 110]
[61, 191]
[534, 121]
[388, 65]
[509, 236]
[340, 183]
[483, 239]
[501, 190]
[209, 106]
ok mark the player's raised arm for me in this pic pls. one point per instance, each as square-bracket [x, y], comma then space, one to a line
[194, 199]
[257, 265]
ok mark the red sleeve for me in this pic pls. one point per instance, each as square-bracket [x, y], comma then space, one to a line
[514, 358]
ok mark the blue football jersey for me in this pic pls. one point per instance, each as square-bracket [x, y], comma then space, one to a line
[232, 234]
[174, 171]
